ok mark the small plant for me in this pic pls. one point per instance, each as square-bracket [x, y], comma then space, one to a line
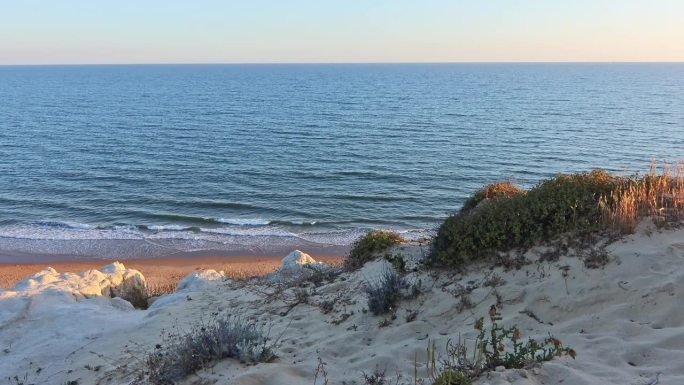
[326, 306]
[367, 247]
[452, 377]
[596, 258]
[397, 261]
[322, 372]
[184, 354]
[496, 346]
[301, 295]
[383, 295]
[411, 315]
[465, 303]
[376, 378]
[493, 281]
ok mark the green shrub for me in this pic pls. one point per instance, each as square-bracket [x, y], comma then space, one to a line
[565, 203]
[367, 247]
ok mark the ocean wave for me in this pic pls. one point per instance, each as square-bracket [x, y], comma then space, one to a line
[236, 221]
[226, 225]
[227, 234]
[61, 232]
[66, 224]
[295, 222]
[261, 222]
[167, 227]
[182, 218]
[241, 221]
[76, 225]
[254, 232]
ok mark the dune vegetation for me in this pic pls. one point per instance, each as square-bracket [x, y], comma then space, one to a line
[368, 246]
[501, 216]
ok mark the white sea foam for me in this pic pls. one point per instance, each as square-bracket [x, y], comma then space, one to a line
[242, 221]
[77, 225]
[303, 222]
[153, 240]
[271, 231]
[168, 228]
[46, 232]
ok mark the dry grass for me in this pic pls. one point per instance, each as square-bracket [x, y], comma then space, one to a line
[159, 289]
[658, 194]
[491, 192]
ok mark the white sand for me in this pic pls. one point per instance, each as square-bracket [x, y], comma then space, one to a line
[626, 322]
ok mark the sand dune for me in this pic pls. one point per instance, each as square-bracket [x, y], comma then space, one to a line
[625, 320]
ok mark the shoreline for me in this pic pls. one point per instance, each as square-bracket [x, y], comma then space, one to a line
[159, 271]
[48, 251]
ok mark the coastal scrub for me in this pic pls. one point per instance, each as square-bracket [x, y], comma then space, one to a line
[579, 204]
[555, 206]
[369, 246]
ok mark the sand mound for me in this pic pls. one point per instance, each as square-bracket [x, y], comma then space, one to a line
[624, 320]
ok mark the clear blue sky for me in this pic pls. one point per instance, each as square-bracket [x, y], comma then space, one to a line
[213, 31]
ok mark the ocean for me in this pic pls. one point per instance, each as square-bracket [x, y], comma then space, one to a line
[154, 160]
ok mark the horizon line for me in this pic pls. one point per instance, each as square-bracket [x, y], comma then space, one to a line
[349, 63]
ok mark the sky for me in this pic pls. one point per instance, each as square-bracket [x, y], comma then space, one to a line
[339, 31]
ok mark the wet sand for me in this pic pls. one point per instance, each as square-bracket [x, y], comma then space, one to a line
[158, 271]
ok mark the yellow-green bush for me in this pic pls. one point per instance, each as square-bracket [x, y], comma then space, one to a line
[558, 205]
[367, 247]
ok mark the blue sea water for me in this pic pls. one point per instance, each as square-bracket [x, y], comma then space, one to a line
[181, 158]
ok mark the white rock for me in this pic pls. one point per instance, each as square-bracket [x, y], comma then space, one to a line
[199, 280]
[296, 265]
[113, 280]
[132, 287]
[113, 268]
[121, 304]
[297, 260]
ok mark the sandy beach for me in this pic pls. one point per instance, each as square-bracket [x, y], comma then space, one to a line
[160, 272]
